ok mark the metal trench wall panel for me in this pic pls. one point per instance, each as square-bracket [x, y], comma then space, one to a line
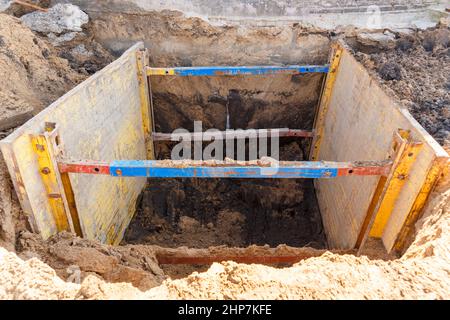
[359, 125]
[99, 119]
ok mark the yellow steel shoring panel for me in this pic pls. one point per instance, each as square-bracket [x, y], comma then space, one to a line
[430, 181]
[48, 174]
[325, 101]
[405, 159]
[111, 96]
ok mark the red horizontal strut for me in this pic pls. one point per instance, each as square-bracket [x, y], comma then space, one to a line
[90, 167]
[381, 169]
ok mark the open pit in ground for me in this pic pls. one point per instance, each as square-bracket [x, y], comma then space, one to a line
[234, 212]
[164, 220]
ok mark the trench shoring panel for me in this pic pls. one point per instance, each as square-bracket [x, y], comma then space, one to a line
[99, 119]
[359, 125]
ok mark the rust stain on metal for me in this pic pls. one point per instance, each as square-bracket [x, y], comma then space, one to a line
[40, 147]
[90, 167]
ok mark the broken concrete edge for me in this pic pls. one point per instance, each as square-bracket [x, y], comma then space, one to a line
[254, 9]
[329, 16]
[5, 4]
[58, 19]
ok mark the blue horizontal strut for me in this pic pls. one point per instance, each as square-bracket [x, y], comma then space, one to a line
[234, 71]
[264, 168]
[151, 168]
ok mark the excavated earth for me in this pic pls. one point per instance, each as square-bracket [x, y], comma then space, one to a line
[412, 67]
[415, 68]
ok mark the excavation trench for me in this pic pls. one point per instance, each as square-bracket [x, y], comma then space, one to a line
[235, 212]
[204, 214]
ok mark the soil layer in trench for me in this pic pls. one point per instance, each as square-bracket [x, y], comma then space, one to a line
[235, 212]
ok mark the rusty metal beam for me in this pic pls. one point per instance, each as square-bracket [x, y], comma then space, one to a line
[232, 134]
[87, 167]
[252, 254]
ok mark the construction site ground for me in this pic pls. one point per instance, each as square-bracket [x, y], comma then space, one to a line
[414, 67]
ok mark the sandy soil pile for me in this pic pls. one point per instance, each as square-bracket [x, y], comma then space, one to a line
[31, 73]
[34, 73]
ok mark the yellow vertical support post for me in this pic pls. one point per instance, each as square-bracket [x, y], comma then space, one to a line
[146, 101]
[59, 189]
[319, 121]
[396, 181]
[437, 168]
[48, 173]
[404, 152]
